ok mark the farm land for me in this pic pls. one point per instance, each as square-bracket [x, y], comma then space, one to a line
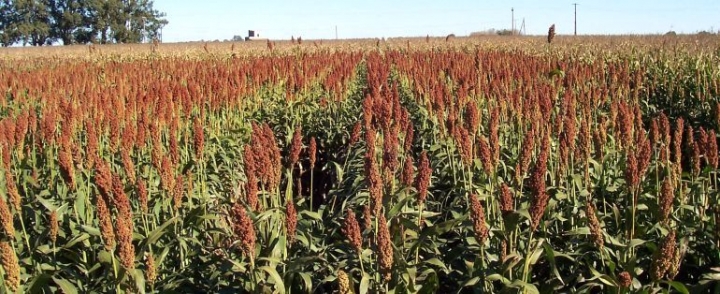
[416, 165]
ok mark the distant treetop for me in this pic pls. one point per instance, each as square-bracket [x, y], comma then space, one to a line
[45, 22]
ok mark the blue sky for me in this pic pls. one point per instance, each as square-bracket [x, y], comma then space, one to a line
[221, 19]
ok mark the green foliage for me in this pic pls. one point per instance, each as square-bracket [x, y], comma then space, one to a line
[42, 22]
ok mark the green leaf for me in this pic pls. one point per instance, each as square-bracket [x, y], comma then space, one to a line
[471, 282]
[311, 214]
[158, 232]
[636, 242]
[398, 206]
[338, 171]
[105, 257]
[556, 72]
[364, 283]
[678, 287]
[528, 288]
[37, 283]
[44, 249]
[46, 203]
[437, 262]
[272, 260]
[279, 285]
[429, 285]
[91, 230]
[550, 256]
[139, 278]
[605, 279]
[537, 253]
[65, 286]
[579, 231]
[161, 257]
[497, 277]
[307, 279]
[78, 239]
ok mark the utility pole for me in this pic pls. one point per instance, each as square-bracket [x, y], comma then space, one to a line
[575, 4]
[512, 23]
[336, 35]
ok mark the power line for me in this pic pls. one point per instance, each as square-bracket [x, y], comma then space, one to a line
[512, 21]
[575, 4]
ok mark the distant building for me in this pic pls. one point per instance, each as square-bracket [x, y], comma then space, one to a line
[254, 36]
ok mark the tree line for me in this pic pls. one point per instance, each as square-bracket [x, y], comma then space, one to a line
[46, 22]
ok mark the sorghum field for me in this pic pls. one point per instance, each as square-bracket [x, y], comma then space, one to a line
[496, 165]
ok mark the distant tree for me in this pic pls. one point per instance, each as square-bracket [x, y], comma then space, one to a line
[67, 19]
[484, 33]
[9, 33]
[237, 38]
[33, 21]
[39, 22]
[704, 33]
[505, 32]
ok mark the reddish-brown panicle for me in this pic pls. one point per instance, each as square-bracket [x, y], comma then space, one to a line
[103, 179]
[355, 135]
[677, 143]
[167, 179]
[477, 214]
[537, 185]
[244, 230]
[408, 171]
[644, 156]
[312, 152]
[150, 269]
[594, 224]
[9, 261]
[663, 257]
[711, 151]
[494, 139]
[408, 141]
[485, 155]
[6, 219]
[367, 217]
[128, 163]
[12, 190]
[625, 279]
[528, 145]
[295, 147]
[105, 220]
[385, 250]
[290, 220]
[390, 152]
[142, 194]
[507, 203]
[631, 170]
[178, 192]
[472, 117]
[422, 180]
[198, 138]
[351, 230]
[375, 185]
[667, 196]
[54, 228]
